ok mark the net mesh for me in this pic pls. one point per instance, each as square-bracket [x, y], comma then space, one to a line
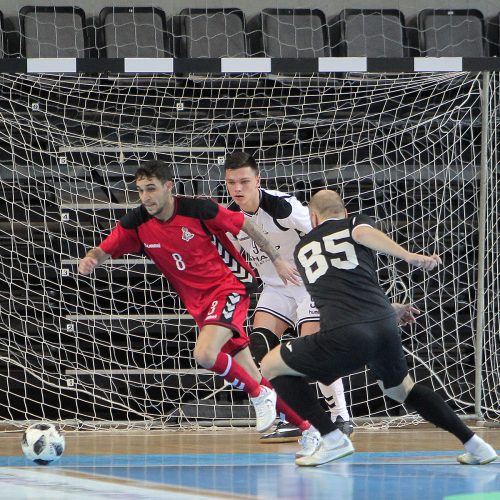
[115, 348]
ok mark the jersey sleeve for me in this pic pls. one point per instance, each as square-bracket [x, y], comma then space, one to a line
[362, 220]
[225, 220]
[298, 218]
[121, 241]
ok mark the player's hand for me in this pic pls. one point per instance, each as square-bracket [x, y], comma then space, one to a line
[287, 272]
[427, 262]
[405, 313]
[87, 265]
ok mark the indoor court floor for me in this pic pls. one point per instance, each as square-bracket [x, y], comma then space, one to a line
[409, 464]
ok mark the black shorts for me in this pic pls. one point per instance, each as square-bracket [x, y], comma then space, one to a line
[327, 356]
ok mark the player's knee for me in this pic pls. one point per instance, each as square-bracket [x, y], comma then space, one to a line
[262, 340]
[205, 357]
[400, 392]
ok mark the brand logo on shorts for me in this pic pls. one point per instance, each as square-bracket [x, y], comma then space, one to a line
[289, 346]
[186, 234]
[232, 300]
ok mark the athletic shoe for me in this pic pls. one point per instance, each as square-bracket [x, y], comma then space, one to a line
[265, 408]
[283, 433]
[327, 452]
[484, 455]
[344, 426]
[309, 442]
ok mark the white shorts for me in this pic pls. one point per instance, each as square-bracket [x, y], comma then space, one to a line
[291, 304]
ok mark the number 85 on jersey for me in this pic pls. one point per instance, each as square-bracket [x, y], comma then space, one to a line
[315, 255]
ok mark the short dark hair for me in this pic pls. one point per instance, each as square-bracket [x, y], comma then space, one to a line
[240, 159]
[154, 168]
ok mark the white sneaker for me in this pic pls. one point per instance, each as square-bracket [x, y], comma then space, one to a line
[328, 452]
[265, 408]
[484, 455]
[309, 442]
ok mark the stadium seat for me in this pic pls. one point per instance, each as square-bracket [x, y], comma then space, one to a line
[134, 32]
[291, 33]
[53, 32]
[454, 33]
[373, 33]
[212, 33]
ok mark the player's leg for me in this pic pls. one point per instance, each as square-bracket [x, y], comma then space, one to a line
[313, 356]
[244, 359]
[274, 313]
[333, 393]
[222, 336]
[209, 353]
[390, 367]
[307, 324]
[267, 330]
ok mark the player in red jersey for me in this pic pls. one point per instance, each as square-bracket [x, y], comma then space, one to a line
[186, 239]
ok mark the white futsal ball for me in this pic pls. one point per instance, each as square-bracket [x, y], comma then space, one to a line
[43, 443]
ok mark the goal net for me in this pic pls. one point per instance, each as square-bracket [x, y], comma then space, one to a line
[415, 150]
[116, 347]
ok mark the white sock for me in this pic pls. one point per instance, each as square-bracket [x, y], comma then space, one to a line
[334, 395]
[473, 444]
[333, 437]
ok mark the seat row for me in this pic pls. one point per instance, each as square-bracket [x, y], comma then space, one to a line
[287, 33]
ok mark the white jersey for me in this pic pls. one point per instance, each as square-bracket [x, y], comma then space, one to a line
[283, 219]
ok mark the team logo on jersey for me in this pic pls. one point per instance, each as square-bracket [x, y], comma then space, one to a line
[186, 234]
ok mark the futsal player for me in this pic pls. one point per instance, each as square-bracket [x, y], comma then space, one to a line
[186, 239]
[336, 261]
[283, 219]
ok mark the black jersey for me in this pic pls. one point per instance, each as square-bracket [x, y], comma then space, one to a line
[340, 275]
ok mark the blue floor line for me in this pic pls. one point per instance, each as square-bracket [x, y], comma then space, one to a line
[429, 475]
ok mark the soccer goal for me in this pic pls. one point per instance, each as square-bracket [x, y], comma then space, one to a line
[417, 150]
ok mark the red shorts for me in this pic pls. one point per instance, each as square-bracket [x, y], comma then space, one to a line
[227, 309]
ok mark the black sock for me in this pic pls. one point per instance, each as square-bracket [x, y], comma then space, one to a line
[435, 410]
[298, 394]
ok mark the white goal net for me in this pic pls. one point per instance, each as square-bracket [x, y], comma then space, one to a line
[116, 347]
[415, 150]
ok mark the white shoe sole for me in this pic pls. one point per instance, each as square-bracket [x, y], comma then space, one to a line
[461, 459]
[312, 461]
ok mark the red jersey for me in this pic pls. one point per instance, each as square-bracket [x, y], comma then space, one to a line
[191, 249]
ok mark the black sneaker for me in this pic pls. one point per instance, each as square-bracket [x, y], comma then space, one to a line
[283, 433]
[345, 426]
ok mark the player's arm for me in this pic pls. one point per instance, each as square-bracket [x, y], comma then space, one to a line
[94, 258]
[285, 270]
[376, 240]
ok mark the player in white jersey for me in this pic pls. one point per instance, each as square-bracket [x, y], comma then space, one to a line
[283, 220]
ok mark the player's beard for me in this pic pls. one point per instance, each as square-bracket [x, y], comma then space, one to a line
[154, 210]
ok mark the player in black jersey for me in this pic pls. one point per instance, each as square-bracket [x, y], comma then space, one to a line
[336, 261]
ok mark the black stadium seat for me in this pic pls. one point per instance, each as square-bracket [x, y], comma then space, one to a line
[373, 33]
[134, 32]
[293, 33]
[212, 33]
[53, 32]
[451, 32]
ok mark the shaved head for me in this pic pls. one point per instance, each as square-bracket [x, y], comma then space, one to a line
[327, 204]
